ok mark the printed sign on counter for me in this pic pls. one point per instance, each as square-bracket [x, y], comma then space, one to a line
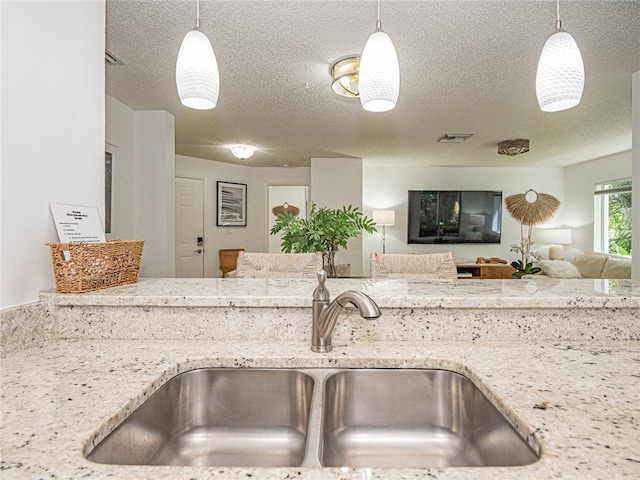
[77, 223]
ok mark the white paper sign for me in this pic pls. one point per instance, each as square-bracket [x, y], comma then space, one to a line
[77, 223]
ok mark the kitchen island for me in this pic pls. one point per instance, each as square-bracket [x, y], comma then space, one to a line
[560, 359]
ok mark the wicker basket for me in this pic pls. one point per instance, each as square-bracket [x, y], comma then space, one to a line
[92, 266]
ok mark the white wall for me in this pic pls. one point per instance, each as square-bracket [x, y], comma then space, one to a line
[145, 141]
[52, 131]
[387, 188]
[255, 236]
[580, 180]
[337, 182]
[120, 132]
[154, 202]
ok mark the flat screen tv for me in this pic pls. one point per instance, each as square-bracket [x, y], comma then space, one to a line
[454, 216]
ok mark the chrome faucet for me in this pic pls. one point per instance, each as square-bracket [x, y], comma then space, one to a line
[325, 312]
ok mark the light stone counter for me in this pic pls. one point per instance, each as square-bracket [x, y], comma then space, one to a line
[560, 358]
[541, 292]
[463, 310]
[580, 399]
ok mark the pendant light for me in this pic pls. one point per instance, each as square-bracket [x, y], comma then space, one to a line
[560, 76]
[379, 79]
[197, 76]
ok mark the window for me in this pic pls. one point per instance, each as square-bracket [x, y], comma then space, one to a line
[612, 217]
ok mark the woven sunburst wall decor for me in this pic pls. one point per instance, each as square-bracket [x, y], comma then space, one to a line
[532, 212]
[285, 207]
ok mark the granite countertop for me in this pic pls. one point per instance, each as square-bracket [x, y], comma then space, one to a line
[542, 292]
[580, 399]
[559, 358]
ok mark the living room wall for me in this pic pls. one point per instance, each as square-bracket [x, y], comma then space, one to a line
[580, 180]
[382, 188]
[387, 187]
[255, 236]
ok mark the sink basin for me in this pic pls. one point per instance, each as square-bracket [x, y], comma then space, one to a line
[316, 418]
[414, 418]
[217, 417]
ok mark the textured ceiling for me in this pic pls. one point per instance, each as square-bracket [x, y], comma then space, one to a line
[465, 67]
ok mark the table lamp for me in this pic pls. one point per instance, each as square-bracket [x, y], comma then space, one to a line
[384, 218]
[556, 237]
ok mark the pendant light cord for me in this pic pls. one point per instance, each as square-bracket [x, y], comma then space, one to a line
[197, 14]
[378, 22]
[558, 22]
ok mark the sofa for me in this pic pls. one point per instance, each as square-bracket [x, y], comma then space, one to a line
[588, 265]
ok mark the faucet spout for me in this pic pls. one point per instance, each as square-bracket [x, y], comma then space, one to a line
[325, 313]
[364, 303]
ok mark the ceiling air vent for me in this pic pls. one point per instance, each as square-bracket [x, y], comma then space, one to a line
[111, 59]
[454, 137]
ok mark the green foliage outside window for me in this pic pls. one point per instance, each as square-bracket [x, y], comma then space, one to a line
[620, 221]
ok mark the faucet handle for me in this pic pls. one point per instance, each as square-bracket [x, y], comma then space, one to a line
[321, 294]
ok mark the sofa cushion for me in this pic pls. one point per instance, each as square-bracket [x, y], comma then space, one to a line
[559, 269]
[617, 268]
[590, 265]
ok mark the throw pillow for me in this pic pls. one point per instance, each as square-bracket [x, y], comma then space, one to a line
[617, 268]
[559, 269]
[590, 265]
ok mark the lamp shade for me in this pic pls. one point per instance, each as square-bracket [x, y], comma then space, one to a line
[379, 79]
[476, 219]
[384, 217]
[197, 76]
[559, 236]
[560, 75]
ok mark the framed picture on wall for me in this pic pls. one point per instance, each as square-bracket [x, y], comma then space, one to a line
[232, 204]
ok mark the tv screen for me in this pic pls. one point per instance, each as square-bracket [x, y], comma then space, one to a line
[454, 216]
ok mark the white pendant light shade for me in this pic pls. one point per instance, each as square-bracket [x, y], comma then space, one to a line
[197, 76]
[379, 80]
[560, 76]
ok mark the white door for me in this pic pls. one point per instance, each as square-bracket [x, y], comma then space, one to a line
[189, 228]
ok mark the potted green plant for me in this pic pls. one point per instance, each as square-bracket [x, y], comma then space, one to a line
[326, 230]
[524, 269]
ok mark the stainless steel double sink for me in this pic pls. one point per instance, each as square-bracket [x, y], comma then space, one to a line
[316, 418]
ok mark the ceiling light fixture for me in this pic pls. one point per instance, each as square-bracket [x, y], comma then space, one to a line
[344, 75]
[513, 147]
[242, 151]
[379, 81]
[197, 76]
[560, 75]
